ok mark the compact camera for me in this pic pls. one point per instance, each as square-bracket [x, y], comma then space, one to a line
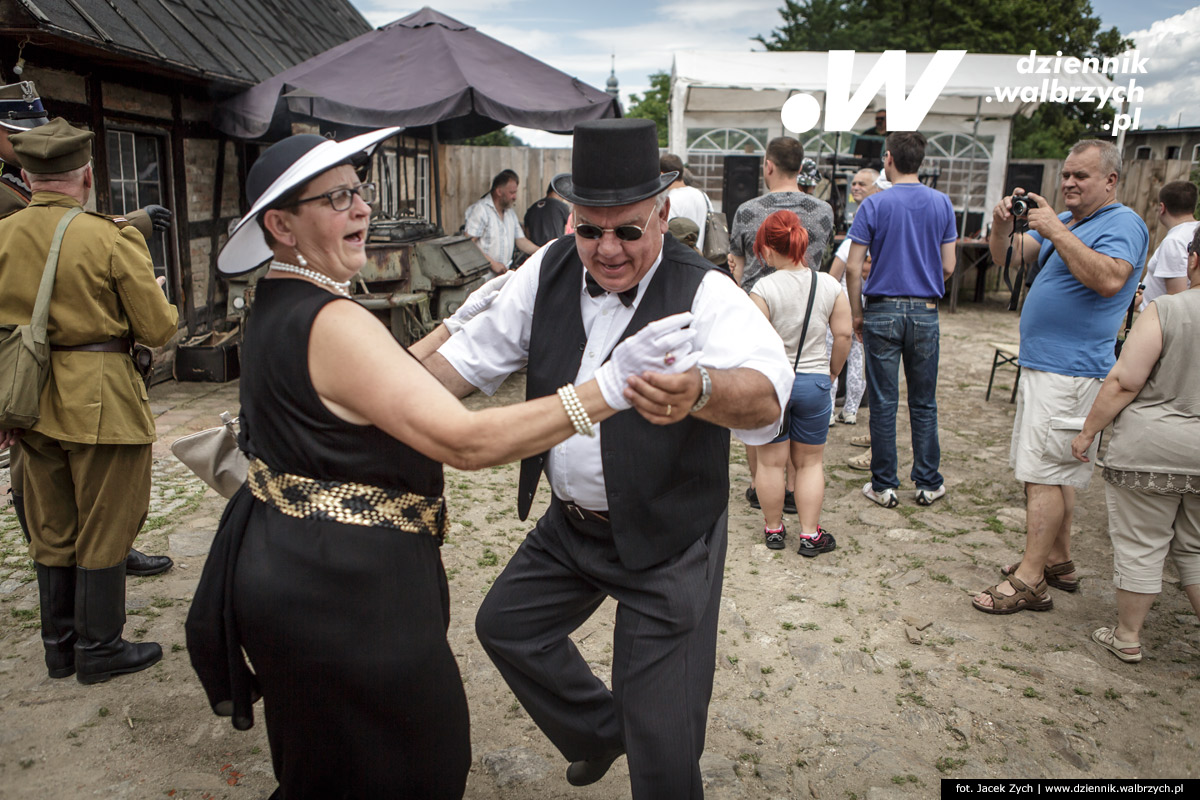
[1021, 205]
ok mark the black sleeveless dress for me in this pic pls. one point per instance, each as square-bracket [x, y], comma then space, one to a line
[344, 625]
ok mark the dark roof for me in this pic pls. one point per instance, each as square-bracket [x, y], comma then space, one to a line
[238, 42]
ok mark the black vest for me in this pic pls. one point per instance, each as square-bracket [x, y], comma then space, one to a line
[666, 485]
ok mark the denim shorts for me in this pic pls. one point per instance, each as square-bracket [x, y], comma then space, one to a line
[808, 410]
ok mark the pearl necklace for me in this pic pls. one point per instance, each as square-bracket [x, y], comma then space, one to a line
[339, 287]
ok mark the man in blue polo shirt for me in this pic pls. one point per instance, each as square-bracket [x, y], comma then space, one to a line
[1090, 257]
[910, 232]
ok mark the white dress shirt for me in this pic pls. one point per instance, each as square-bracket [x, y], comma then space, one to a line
[730, 331]
[497, 234]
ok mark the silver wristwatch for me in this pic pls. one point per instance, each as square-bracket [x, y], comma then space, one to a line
[705, 388]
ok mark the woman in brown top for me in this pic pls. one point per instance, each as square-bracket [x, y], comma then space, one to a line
[1152, 399]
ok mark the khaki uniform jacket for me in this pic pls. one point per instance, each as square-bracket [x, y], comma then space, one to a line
[13, 200]
[104, 289]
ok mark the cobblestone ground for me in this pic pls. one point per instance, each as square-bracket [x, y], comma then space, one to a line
[863, 673]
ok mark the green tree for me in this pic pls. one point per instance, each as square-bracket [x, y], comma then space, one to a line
[653, 104]
[1001, 26]
[499, 138]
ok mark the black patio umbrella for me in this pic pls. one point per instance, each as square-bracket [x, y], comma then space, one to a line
[426, 69]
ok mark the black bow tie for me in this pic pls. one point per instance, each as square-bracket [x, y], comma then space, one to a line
[595, 290]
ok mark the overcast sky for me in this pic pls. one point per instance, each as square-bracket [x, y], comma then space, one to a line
[580, 39]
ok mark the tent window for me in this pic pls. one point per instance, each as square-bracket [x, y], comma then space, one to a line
[751, 141]
[957, 158]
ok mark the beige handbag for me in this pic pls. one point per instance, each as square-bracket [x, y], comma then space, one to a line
[214, 455]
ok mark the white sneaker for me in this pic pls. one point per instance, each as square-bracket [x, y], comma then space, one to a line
[927, 497]
[847, 419]
[833, 418]
[887, 498]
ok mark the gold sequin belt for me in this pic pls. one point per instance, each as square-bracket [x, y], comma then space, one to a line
[347, 503]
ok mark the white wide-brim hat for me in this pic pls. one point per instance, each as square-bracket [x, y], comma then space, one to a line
[246, 249]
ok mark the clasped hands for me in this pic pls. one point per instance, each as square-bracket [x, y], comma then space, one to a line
[653, 371]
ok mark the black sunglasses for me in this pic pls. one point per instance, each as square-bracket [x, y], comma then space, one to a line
[342, 199]
[626, 233]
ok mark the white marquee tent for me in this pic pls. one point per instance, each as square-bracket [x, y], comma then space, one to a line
[730, 102]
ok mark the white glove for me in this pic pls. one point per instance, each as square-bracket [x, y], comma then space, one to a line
[476, 302]
[664, 345]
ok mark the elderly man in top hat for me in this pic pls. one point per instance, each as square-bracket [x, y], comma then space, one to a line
[639, 510]
[87, 458]
[21, 110]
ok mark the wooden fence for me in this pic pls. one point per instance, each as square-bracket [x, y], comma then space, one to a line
[467, 172]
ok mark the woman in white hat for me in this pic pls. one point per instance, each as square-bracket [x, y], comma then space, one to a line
[326, 568]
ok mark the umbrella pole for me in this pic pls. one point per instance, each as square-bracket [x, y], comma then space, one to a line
[437, 175]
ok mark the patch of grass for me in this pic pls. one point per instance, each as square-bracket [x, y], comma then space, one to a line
[176, 648]
[994, 525]
[795, 598]
[809, 626]
[947, 764]
[488, 559]
[1032, 692]
[838, 640]
[162, 602]
[965, 669]
[1112, 694]
[939, 577]
[25, 613]
[103, 711]
[902, 779]
[1082, 692]
[750, 734]
[839, 604]
[905, 664]
[787, 626]
[912, 697]
[766, 670]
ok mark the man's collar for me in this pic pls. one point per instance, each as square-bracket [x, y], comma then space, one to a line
[44, 197]
[1110, 204]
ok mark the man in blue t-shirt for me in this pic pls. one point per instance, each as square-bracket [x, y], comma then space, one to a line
[910, 233]
[1090, 257]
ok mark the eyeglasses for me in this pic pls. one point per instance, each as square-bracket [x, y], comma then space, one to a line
[342, 199]
[626, 233]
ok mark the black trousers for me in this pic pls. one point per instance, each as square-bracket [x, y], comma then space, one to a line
[664, 648]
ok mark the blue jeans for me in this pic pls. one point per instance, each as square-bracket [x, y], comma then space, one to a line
[895, 329]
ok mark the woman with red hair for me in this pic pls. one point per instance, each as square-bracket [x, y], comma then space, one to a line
[801, 304]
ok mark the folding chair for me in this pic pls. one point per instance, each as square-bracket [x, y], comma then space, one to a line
[1005, 354]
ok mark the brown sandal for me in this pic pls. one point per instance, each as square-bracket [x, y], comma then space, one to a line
[1026, 598]
[1052, 575]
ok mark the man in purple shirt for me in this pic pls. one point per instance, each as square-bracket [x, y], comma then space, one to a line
[910, 233]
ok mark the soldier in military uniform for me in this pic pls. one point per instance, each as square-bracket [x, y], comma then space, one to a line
[87, 459]
[21, 110]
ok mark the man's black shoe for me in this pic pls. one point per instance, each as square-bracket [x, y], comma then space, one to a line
[141, 564]
[584, 773]
[752, 497]
[789, 502]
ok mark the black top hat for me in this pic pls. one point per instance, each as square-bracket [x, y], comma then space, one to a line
[614, 162]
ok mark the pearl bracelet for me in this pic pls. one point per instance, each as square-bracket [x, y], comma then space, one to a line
[575, 410]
